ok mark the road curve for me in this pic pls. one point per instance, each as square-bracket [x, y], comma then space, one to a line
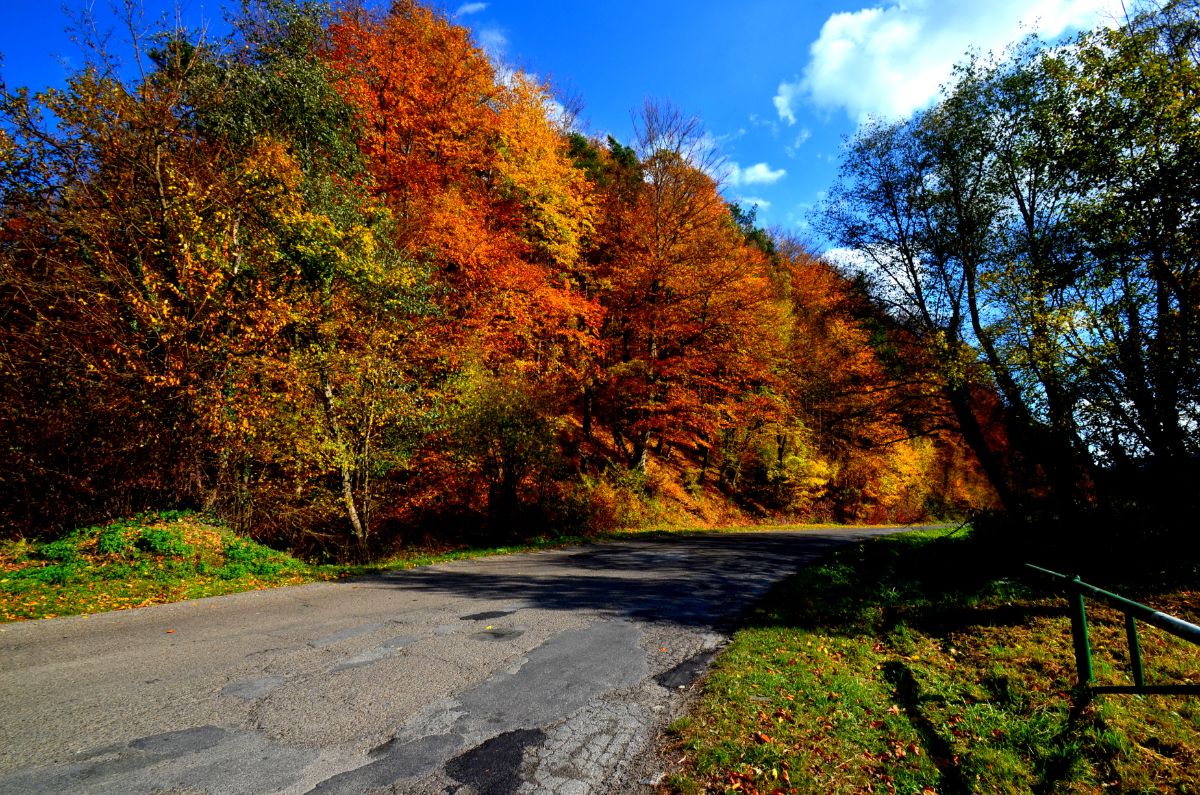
[544, 672]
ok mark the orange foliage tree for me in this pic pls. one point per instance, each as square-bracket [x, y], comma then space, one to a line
[477, 174]
[881, 438]
[344, 273]
[689, 309]
[134, 280]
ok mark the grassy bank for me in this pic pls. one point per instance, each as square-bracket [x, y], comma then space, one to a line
[914, 664]
[141, 561]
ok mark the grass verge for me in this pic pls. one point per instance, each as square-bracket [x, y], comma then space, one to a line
[911, 664]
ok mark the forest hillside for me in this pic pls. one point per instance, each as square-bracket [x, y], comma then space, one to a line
[343, 282]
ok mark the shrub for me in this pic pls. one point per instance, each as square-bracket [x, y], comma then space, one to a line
[114, 540]
[163, 542]
[64, 550]
[243, 558]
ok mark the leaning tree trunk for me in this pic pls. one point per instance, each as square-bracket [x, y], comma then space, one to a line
[345, 464]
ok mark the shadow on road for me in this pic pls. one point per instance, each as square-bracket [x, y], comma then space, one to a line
[694, 581]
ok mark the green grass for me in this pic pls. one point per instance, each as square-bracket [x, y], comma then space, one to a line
[144, 560]
[908, 665]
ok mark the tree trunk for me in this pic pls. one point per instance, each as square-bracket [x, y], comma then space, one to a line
[641, 445]
[960, 401]
[588, 399]
[344, 462]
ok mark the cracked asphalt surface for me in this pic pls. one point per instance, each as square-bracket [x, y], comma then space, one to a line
[544, 672]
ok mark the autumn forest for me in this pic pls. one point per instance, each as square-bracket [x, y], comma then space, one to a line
[346, 284]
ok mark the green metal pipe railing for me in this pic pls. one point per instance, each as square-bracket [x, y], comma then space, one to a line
[1134, 612]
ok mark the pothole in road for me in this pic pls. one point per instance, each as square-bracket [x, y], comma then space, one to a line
[505, 633]
[495, 766]
[686, 672]
[366, 658]
[345, 634]
[398, 641]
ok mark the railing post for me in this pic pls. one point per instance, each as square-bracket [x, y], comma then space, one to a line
[1135, 650]
[1079, 631]
[1134, 612]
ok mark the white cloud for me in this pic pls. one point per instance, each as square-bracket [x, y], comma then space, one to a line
[772, 125]
[889, 61]
[754, 201]
[801, 139]
[466, 9]
[494, 43]
[721, 140]
[787, 97]
[848, 258]
[757, 174]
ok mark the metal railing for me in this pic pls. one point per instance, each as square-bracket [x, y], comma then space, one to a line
[1134, 612]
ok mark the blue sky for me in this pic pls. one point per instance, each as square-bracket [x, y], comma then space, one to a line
[778, 84]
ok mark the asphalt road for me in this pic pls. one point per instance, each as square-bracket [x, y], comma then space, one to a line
[546, 672]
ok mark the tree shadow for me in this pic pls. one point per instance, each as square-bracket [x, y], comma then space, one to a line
[1061, 762]
[941, 753]
[702, 581]
[938, 588]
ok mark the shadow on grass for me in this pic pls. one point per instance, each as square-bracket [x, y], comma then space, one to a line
[950, 637]
[1060, 761]
[938, 586]
[888, 595]
[941, 753]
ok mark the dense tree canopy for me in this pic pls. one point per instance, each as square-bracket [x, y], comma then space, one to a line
[1038, 228]
[343, 280]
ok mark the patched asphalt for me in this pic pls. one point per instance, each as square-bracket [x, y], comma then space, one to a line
[545, 672]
